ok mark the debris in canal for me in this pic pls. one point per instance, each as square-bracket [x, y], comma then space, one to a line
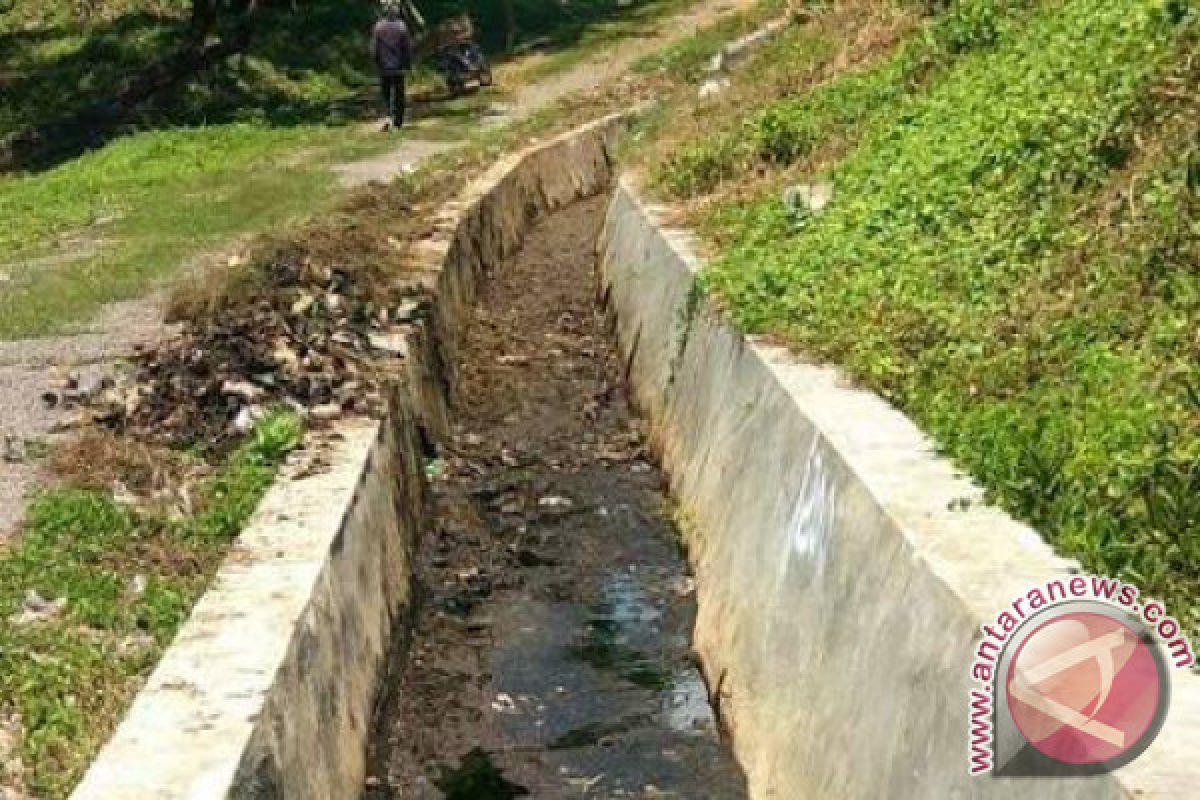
[477, 779]
[552, 653]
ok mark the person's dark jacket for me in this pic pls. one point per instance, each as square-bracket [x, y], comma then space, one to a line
[391, 45]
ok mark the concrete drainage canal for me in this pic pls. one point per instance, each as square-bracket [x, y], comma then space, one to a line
[532, 589]
[551, 654]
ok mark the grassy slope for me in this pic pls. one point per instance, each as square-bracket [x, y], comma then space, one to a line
[1011, 256]
[69, 677]
[151, 201]
[242, 149]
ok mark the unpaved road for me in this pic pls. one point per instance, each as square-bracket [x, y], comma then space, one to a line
[27, 366]
[593, 72]
[551, 653]
[609, 64]
[31, 368]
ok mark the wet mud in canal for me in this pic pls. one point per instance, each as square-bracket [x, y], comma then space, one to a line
[550, 656]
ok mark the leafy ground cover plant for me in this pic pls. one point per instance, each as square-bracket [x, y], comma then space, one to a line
[95, 590]
[1011, 257]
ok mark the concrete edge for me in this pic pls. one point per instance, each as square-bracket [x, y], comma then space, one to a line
[831, 550]
[269, 688]
[275, 665]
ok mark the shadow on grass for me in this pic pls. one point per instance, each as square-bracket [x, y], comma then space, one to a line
[544, 25]
[68, 89]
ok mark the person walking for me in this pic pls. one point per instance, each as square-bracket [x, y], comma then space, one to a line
[391, 47]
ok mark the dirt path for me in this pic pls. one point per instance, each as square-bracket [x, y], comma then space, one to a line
[608, 65]
[591, 73]
[551, 653]
[25, 366]
[62, 366]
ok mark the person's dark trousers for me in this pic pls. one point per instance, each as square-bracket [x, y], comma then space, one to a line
[393, 97]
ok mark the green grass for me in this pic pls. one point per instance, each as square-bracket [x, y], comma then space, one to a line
[968, 270]
[146, 204]
[793, 129]
[70, 677]
[56, 62]
[241, 149]
[307, 67]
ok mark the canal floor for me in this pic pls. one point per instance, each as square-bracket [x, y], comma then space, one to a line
[550, 656]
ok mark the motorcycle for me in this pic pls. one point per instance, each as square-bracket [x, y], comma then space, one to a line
[451, 49]
[459, 62]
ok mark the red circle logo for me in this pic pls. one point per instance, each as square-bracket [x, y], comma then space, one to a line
[1083, 688]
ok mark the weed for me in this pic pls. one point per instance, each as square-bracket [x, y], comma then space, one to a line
[957, 272]
[129, 579]
[792, 129]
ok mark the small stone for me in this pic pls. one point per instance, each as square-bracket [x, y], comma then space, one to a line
[303, 303]
[135, 643]
[393, 343]
[122, 496]
[684, 585]
[284, 355]
[92, 387]
[807, 199]
[243, 423]
[712, 87]
[37, 609]
[503, 704]
[325, 412]
[554, 503]
[132, 400]
[472, 440]
[407, 310]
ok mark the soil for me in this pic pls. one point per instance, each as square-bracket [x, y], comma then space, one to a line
[609, 63]
[550, 654]
[30, 369]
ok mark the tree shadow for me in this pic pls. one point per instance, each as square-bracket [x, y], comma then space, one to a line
[55, 72]
[66, 90]
[543, 25]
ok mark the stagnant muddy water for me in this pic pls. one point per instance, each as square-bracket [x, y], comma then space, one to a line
[550, 656]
